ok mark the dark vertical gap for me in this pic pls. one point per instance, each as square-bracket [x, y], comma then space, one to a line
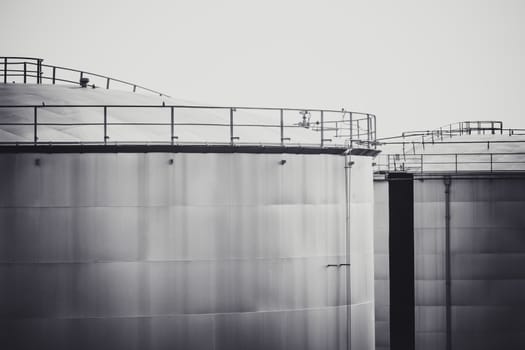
[401, 259]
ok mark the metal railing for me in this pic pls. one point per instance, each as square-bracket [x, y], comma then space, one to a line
[33, 70]
[451, 162]
[237, 125]
[479, 127]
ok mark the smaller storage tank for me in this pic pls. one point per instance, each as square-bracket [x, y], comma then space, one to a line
[466, 238]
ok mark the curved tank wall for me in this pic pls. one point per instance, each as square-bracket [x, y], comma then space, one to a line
[487, 255]
[184, 251]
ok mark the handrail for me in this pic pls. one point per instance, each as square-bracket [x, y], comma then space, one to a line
[451, 162]
[54, 75]
[351, 128]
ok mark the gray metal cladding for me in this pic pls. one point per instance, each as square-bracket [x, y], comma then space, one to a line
[210, 251]
[487, 258]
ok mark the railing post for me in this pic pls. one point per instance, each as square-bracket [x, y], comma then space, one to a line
[35, 124]
[54, 74]
[491, 163]
[282, 127]
[25, 72]
[172, 124]
[107, 83]
[375, 132]
[422, 163]
[5, 70]
[105, 125]
[456, 161]
[322, 128]
[368, 129]
[39, 72]
[231, 126]
[351, 130]
[134, 88]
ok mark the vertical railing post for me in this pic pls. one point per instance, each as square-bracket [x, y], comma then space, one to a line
[172, 124]
[25, 72]
[375, 132]
[231, 126]
[107, 83]
[358, 131]
[491, 168]
[54, 74]
[421, 163]
[456, 162]
[5, 70]
[368, 130]
[351, 130]
[35, 125]
[39, 72]
[322, 129]
[105, 125]
[282, 127]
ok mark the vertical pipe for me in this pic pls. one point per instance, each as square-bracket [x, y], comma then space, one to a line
[282, 127]
[322, 129]
[35, 125]
[348, 301]
[231, 126]
[105, 125]
[448, 289]
[25, 72]
[172, 124]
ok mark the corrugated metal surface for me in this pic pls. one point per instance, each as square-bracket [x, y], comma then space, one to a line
[214, 251]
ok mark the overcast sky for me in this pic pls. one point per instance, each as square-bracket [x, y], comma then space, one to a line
[416, 64]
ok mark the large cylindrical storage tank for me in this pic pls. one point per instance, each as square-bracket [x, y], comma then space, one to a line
[194, 247]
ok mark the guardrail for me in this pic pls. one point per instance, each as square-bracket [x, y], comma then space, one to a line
[31, 69]
[231, 125]
[451, 162]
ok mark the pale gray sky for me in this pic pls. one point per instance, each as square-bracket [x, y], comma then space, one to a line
[416, 64]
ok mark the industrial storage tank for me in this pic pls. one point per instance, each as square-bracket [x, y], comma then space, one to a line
[451, 274]
[134, 221]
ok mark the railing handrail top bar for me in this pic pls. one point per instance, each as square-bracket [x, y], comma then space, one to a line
[40, 60]
[104, 77]
[180, 106]
[21, 58]
[451, 154]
